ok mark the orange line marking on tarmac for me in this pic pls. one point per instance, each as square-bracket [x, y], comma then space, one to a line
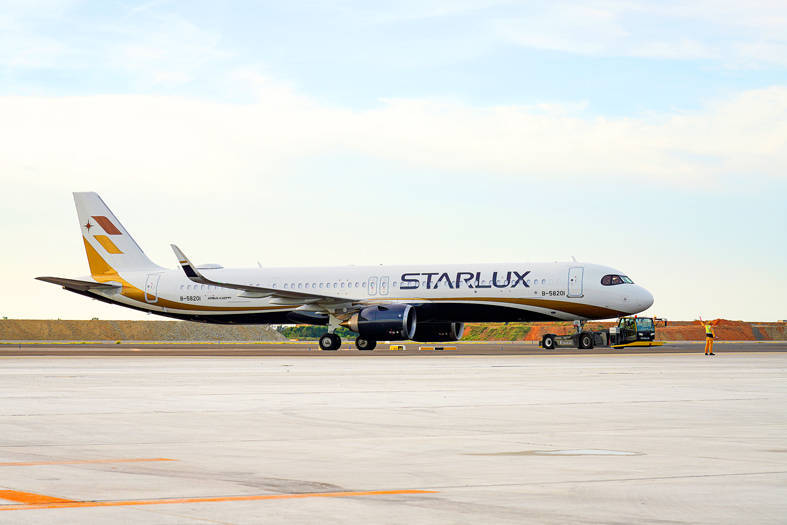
[66, 504]
[79, 461]
[30, 498]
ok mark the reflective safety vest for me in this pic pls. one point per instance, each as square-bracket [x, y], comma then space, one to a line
[708, 330]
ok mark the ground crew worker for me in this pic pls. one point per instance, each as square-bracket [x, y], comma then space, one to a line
[709, 334]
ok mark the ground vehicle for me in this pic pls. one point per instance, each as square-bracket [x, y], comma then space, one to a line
[630, 331]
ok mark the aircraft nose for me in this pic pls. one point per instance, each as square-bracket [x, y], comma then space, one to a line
[643, 299]
[637, 299]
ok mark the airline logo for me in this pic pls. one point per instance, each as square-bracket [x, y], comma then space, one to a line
[109, 228]
[106, 224]
[411, 281]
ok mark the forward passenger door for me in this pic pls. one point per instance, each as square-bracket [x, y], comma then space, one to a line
[575, 275]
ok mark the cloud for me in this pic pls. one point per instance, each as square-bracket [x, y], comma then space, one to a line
[150, 138]
[171, 53]
[733, 33]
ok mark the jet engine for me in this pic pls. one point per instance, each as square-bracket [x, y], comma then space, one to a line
[391, 321]
[431, 332]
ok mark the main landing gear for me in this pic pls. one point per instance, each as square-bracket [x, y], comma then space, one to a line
[365, 343]
[334, 342]
[330, 342]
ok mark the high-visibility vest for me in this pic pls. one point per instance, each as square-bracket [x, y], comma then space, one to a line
[708, 330]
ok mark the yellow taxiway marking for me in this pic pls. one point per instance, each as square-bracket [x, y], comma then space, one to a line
[78, 461]
[57, 503]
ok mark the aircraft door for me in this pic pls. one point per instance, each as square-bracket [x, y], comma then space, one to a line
[384, 285]
[371, 287]
[575, 275]
[151, 287]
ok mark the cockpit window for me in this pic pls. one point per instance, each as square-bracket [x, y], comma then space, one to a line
[611, 280]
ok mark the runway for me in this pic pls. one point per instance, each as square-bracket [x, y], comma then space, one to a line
[310, 348]
[510, 439]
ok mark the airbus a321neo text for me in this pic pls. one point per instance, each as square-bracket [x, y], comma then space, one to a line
[427, 303]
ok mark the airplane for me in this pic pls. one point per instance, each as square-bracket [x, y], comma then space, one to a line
[427, 303]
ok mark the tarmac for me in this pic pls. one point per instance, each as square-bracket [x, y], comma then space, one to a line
[311, 348]
[576, 438]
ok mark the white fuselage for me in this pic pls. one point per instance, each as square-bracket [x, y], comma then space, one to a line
[523, 291]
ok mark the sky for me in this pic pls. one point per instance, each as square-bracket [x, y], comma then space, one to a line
[647, 136]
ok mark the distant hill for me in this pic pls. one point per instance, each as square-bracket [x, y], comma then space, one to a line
[108, 330]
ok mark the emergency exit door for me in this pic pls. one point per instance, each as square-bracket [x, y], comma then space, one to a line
[372, 288]
[575, 275]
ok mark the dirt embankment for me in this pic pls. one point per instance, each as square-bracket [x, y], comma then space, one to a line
[674, 331]
[99, 330]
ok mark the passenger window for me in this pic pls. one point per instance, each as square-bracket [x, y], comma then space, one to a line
[395, 284]
[321, 285]
[300, 285]
[335, 285]
[307, 285]
[342, 284]
[363, 284]
[285, 285]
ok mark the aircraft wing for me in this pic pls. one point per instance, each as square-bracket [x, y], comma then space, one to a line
[279, 295]
[76, 284]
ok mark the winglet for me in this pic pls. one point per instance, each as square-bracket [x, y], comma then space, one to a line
[188, 268]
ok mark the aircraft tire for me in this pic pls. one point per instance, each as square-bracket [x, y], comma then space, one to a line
[365, 343]
[548, 342]
[330, 342]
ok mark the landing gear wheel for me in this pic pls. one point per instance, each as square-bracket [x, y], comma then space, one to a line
[330, 342]
[364, 343]
[548, 342]
[585, 341]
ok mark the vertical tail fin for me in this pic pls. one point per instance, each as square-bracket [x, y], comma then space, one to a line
[109, 247]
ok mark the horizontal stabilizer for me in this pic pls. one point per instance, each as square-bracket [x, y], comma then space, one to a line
[76, 284]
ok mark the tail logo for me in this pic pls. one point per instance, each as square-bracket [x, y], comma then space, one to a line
[109, 228]
[107, 243]
[106, 224]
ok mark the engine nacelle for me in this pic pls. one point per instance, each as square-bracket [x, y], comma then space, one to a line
[432, 332]
[390, 321]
